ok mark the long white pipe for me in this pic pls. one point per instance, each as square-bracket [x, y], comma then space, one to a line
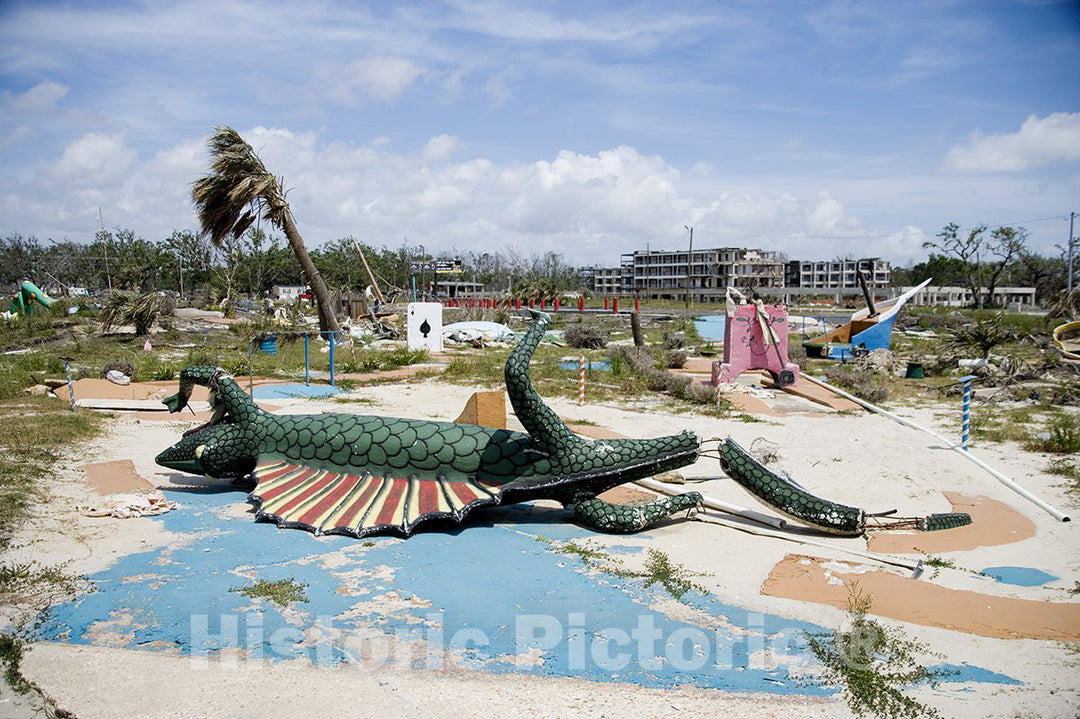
[914, 565]
[1055, 513]
[716, 504]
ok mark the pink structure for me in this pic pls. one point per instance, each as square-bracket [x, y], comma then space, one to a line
[747, 345]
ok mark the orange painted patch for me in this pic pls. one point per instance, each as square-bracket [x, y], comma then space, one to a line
[118, 476]
[804, 578]
[992, 523]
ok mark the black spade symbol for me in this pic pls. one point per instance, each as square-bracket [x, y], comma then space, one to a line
[425, 328]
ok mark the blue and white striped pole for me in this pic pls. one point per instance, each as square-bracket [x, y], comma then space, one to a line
[965, 430]
[71, 386]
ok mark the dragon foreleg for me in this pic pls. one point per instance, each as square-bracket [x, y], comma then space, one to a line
[628, 518]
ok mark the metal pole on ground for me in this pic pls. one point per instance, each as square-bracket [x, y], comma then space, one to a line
[307, 361]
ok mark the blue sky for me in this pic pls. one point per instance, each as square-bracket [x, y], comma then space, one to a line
[820, 129]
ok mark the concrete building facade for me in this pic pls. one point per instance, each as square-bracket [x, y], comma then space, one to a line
[837, 274]
[1014, 298]
[670, 274]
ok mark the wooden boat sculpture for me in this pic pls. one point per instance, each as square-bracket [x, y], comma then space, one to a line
[869, 329]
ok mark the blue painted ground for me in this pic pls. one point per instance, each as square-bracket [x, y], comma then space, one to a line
[602, 365]
[280, 391]
[711, 327]
[480, 596]
[1020, 576]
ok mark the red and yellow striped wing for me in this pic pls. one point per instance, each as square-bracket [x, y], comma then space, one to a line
[328, 502]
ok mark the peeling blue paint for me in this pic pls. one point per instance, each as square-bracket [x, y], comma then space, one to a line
[482, 596]
[963, 673]
[1020, 576]
[285, 391]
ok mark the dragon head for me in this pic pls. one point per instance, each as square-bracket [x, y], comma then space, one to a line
[224, 448]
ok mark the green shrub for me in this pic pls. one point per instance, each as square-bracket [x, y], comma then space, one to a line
[585, 336]
[872, 664]
[1063, 437]
[860, 383]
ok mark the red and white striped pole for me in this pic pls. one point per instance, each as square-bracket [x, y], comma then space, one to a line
[581, 381]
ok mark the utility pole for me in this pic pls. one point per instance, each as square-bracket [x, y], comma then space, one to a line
[689, 266]
[1072, 216]
[105, 244]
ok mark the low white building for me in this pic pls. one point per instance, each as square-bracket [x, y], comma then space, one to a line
[1015, 298]
[288, 292]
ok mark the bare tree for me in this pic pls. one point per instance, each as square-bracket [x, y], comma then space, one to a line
[968, 250]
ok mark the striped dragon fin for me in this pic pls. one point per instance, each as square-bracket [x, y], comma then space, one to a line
[327, 502]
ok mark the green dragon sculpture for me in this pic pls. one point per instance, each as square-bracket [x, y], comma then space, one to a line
[359, 475]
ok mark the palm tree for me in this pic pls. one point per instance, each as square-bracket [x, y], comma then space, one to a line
[134, 308]
[233, 195]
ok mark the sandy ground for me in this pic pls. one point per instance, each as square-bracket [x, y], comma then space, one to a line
[855, 458]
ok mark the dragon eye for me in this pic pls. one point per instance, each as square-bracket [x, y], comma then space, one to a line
[199, 451]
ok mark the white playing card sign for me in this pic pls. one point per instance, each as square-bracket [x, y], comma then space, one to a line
[425, 326]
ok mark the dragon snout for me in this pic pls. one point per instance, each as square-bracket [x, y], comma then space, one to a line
[182, 456]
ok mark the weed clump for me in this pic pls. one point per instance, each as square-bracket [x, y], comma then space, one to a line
[640, 362]
[861, 383]
[659, 569]
[11, 652]
[280, 591]
[585, 336]
[980, 338]
[1063, 436]
[872, 663]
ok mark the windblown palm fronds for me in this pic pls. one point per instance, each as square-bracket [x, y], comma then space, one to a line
[1065, 304]
[131, 308]
[237, 191]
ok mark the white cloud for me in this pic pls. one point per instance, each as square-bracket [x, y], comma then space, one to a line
[590, 207]
[93, 160]
[383, 78]
[440, 148]
[497, 87]
[42, 97]
[1040, 141]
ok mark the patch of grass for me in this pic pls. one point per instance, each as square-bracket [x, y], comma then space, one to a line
[354, 400]
[659, 569]
[586, 554]
[1068, 468]
[1064, 436]
[11, 652]
[999, 424]
[150, 368]
[939, 563]
[864, 385]
[872, 664]
[36, 433]
[674, 578]
[371, 360]
[484, 369]
[20, 580]
[279, 591]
